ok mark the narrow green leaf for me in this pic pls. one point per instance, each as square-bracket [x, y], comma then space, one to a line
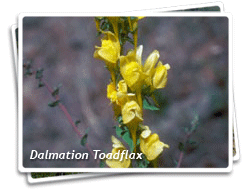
[40, 83]
[129, 40]
[119, 119]
[142, 163]
[118, 130]
[55, 92]
[39, 73]
[84, 140]
[147, 105]
[191, 142]
[77, 122]
[54, 104]
[126, 137]
[195, 122]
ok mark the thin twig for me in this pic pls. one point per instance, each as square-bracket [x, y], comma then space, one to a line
[69, 118]
[182, 152]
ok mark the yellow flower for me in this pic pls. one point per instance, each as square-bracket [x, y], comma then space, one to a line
[118, 147]
[131, 69]
[157, 77]
[111, 92]
[160, 76]
[110, 49]
[131, 111]
[149, 66]
[132, 115]
[119, 95]
[150, 144]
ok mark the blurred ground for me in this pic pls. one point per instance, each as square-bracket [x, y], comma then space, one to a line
[196, 49]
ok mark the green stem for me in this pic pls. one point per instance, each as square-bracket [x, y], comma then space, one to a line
[132, 129]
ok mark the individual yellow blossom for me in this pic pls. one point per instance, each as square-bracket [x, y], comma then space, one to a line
[132, 116]
[110, 49]
[118, 95]
[131, 111]
[156, 77]
[150, 62]
[122, 86]
[118, 147]
[149, 66]
[150, 144]
[160, 76]
[131, 69]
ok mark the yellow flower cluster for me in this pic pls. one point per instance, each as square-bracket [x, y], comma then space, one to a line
[128, 76]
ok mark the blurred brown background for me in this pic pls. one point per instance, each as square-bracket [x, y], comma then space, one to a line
[196, 49]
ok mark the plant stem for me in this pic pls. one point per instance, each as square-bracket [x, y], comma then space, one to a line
[69, 118]
[182, 152]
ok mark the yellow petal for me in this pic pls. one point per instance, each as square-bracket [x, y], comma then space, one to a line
[139, 54]
[141, 17]
[160, 76]
[111, 92]
[116, 163]
[122, 86]
[150, 63]
[116, 142]
[110, 49]
[151, 146]
[145, 134]
[130, 71]
[131, 111]
[118, 147]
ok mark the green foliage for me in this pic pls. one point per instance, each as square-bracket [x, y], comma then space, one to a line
[39, 73]
[119, 119]
[42, 175]
[123, 26]
[40, 83]
[85, 137]
[102, 163]
[195, 122]
[77, 122]
[142, 163]
[127, 138]
[119, 131]
[56, 90]
[147, 105]
[54, 104]
[123, 132]
[27, 68]
[84, 140]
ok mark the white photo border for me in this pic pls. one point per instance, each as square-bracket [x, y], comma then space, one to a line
[128, 170]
